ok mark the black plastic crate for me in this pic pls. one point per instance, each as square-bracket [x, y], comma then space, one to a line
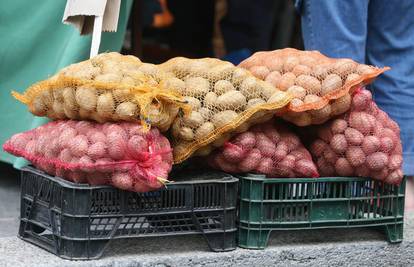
[77, 221]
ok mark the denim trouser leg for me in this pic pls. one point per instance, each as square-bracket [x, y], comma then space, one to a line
[375, 32]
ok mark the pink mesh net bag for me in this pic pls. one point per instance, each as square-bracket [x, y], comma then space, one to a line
[362, 142]
[120, 154]
[270, 149]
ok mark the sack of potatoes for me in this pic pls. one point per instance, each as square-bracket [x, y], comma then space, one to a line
[224, 99]
[321, 86]
[108, 87]
[364, 142]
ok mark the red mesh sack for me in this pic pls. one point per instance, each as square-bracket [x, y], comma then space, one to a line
[362, 142]
[120, 154]
[321, 87]
[269, 149]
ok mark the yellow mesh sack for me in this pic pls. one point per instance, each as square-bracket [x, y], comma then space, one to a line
[321, 86]
[225, 100]
[108, 87]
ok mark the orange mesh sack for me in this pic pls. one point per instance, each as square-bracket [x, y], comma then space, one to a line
[108, 87]
[120, 154]
[224, 99]
[321, 86]
[363, 142]
[270, 149]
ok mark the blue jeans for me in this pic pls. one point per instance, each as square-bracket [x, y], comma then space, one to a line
[375, 32]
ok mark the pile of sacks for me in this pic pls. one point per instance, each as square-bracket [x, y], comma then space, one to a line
[115, 118]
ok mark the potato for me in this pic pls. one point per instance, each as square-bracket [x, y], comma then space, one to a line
[239, 75]
[266, 91]
[105, 105]
[175, 84]
[305, 168]
[354, 137]
[311, 99]
[273, 78]
[266, 166]
[97, 150]
[265, 145]
[301, 69]
[296, 102]
[234, 100]
[122, 95]
[251, 161]
[58, 109]
[355, 156]
[149, 69]
[210, 99]
[339, 126]
[250, 88]
[205, 113]
[259, 71]
[290, 63]
[233, 153]
[186, 134]
[360, 102]
[287, 80]
[196, 86]
[122, 181]
[297, 91]
[320, 71]
[95, 136]
[70, 113]
[223, 86]
[361, 121]
[339, 143]
[69, 100]
[343, 167]
[307, 60]
[193, 120]
[331, 83]
[273, 63]
[126, 110]
[330, 156]
[277, 97]
[317, 147]
[370, 144]
[395, 162]
[255, 102]
[394, 177]
[245, 140]
[224, 118]
[204, 130]
[341, 105]
[364, 70]
[221, 71]
[344, 67]
[86, 97]
[78, 145]
[194, 103]
[320, 115]
[387, 144]
[352, 77]
[377, 161]
[311, 84]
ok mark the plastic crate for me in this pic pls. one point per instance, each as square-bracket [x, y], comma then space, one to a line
[310, 203]
[77, 221]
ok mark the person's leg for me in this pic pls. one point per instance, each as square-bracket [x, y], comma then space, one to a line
[390, 42]
[335, 28]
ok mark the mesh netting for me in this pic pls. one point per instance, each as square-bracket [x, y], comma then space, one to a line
[225, 99]
[321, 86]
[362, 142]
[108, 87]
[270, 149]
[120, 154]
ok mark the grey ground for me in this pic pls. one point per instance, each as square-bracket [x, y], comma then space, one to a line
[357, 247]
